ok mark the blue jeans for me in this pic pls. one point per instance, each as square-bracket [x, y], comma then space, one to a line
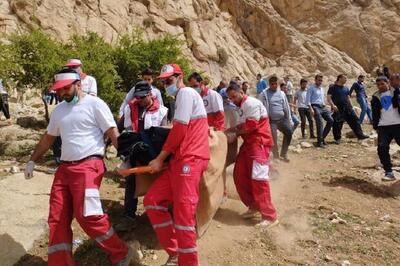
[296, 121]
[365, 109]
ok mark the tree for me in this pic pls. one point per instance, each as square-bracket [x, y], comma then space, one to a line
[133, 54]
[97, 58]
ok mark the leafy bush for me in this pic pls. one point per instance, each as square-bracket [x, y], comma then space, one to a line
[222, 56]
[33, 59]
[97, 58]
[133, 54]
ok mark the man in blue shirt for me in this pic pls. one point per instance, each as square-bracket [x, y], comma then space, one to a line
[261, 84]
[362, 98]
[315, 100]
[339, 99]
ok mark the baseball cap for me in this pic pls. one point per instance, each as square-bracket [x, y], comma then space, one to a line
[169, 70]
[64, 78]
[142, 88]
[73, 63]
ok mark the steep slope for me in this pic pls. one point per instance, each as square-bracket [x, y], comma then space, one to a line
[235, 37]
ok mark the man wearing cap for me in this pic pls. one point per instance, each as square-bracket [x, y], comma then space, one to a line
[88, 83]
[252, 163]
[147, 75]
[80, 120]
[141, 113]
[212, 102]
[179, 184]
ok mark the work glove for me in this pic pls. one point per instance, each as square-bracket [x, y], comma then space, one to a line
[30, 166]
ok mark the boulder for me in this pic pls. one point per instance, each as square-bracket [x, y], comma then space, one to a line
[31, 122]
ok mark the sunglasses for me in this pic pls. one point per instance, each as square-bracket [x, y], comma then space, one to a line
[141, 97]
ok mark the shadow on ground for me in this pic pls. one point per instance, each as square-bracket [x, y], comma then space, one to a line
[365, 187]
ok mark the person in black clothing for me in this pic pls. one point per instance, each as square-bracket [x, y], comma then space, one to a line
[386, 71]
[339, 99]
[221, 85]
[386, 120]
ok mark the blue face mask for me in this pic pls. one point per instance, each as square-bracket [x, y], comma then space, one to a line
[198, 90]
[74, 99]
[172, 90]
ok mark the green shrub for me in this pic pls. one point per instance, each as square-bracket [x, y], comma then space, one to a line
[98, 61]
[33, 59]
[133, 54]
[222, 56]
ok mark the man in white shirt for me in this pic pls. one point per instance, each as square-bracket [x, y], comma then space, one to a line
[300, 100]
[4, 101]
[148, 76]
[81, 121]
[88, 83]
[385, 105]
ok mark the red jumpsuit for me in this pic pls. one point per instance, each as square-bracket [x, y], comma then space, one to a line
[179, 184]
[251, 167]
[72, 188]
[75, 189]
[214, 108]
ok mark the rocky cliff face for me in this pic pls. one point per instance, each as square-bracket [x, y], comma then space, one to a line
[236, 37]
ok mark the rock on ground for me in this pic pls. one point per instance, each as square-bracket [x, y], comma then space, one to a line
[23, 218]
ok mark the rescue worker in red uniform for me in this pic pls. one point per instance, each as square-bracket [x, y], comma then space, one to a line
[252, 163]
[212, 102]
[80, 120]
[179, 184]
[214, 105]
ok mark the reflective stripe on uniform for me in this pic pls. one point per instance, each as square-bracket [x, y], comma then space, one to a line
[187, 250]
[162, 224]
[185, 228]
[106, 236]
[155, 207]
[59, 247]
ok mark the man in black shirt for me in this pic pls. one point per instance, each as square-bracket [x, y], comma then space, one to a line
[339, 99]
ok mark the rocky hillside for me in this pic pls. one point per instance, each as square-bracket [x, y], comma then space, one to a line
[229, 37]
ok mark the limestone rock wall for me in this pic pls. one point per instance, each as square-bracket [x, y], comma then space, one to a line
[235, 37]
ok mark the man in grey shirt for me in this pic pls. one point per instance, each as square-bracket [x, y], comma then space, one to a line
[276, 103]
[316, 103]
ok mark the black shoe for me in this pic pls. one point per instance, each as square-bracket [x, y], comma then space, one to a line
[324, 142]
[321, 145]
[337, 142]
[363, 136]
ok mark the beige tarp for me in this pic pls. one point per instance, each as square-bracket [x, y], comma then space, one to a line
[211, 184]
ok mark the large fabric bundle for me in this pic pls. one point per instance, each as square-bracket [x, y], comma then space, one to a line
[211, 185]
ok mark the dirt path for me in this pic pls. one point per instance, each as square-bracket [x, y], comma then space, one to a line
[332, 208]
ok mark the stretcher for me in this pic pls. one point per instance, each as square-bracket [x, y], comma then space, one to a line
[211, 185]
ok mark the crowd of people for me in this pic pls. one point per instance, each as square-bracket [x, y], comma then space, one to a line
[81, 120]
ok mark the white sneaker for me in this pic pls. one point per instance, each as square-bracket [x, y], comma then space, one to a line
[250, 214]
[266, 224]
[389, 176]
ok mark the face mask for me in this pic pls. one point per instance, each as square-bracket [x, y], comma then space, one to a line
[172, 90]
[198, 90]
[74, 99]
